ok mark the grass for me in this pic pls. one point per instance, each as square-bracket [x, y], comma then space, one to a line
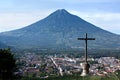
[71, 77]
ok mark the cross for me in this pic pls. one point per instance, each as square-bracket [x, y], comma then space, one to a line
[86, 39]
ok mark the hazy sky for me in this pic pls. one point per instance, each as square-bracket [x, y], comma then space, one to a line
[15, 14]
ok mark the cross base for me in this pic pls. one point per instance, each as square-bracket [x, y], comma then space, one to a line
[85, 67]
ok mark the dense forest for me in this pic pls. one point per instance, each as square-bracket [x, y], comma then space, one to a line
[72, 52]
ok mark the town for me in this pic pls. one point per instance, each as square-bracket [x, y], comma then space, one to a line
[33, 65]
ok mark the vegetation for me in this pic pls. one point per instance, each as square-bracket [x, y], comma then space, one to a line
[7, 64]
[75, 77]
[95, 53]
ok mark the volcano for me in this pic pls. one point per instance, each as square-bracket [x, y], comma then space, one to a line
[59, 30]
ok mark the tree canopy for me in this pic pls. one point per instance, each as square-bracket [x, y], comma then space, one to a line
[7, 64]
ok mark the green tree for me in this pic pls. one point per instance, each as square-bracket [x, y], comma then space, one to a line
[7, 64]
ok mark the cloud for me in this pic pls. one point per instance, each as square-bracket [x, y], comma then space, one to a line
[87, 1]
[104, 20]
[11, 21]
[99, 1]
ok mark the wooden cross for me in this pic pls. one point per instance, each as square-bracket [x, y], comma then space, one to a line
[86, 39]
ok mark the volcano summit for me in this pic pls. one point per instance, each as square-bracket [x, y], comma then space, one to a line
[59, 30]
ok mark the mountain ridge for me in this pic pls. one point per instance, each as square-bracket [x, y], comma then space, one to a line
[59, 30]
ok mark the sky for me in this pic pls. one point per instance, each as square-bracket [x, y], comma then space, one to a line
[15, 14]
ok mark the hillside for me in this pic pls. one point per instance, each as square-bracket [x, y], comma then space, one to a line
[59, 30]
[73, 77]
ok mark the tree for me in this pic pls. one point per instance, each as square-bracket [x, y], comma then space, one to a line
[7, 64]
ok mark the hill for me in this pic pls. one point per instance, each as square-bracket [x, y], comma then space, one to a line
[60, 30]
[2, 45]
